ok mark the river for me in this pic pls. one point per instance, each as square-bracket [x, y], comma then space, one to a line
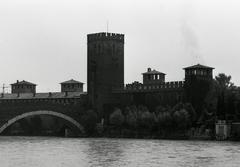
[98, 152]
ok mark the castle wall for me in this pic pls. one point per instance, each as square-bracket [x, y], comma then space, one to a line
[168, 93]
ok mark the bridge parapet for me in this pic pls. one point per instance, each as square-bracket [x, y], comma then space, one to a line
[51, 97]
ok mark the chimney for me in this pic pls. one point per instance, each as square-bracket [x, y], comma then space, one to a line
[149, 69]
[17, 81]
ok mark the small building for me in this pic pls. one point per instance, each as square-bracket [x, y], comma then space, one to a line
[23, 87]
[152, 77]
[72, 86]
[223, 129]
[198, 71]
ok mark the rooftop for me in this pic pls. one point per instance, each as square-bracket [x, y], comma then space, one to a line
[149, 71]
[198, 66]
[72, 81]
[23, 82]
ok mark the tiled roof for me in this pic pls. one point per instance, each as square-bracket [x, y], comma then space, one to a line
[72, 81]
[153, 72]
[50, 95]
[199, 66]
[23, 83]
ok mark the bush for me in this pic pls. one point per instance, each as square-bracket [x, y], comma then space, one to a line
[131, 119]
[181, 119]
[89, 121]
[164, 120]
[146, 119]
[117, 118]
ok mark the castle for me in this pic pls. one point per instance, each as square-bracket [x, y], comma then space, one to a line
[105, 81]
[106, 77]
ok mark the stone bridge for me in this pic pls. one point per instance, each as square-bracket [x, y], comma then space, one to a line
[68, 109]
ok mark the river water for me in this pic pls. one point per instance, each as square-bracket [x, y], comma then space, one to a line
[85, 152]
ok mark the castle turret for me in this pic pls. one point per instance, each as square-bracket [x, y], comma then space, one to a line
[152, 77]
[199, 72]
[23, 87]
[198, 80]
[71, 86]
[105, 67]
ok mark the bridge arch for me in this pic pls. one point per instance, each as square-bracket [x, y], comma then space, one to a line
[41, 112]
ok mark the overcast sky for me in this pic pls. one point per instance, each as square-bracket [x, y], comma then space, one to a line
[44, 41]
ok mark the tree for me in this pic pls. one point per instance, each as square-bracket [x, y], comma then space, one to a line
[89, 121]
[181, 118]
[146, 120]
[164, 119]
[225, 96]
[223, 81]
[131, 119]
[191, 111]
[117, 118]
[165, 122]
[160, 109]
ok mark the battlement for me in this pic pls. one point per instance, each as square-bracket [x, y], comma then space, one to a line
[103, 36]
[139, 87]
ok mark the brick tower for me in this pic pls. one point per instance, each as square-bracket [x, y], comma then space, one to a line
[199, 72]
[198, 81]
[105, 53]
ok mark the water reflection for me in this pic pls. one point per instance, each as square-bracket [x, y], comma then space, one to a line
[104, 152]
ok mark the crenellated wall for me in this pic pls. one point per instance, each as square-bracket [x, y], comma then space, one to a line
[105, 36]
[139, 87]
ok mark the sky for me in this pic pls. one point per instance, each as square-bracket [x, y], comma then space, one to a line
[45, 41]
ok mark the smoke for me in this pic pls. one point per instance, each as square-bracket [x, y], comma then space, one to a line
[190, 41]
[190, 38]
